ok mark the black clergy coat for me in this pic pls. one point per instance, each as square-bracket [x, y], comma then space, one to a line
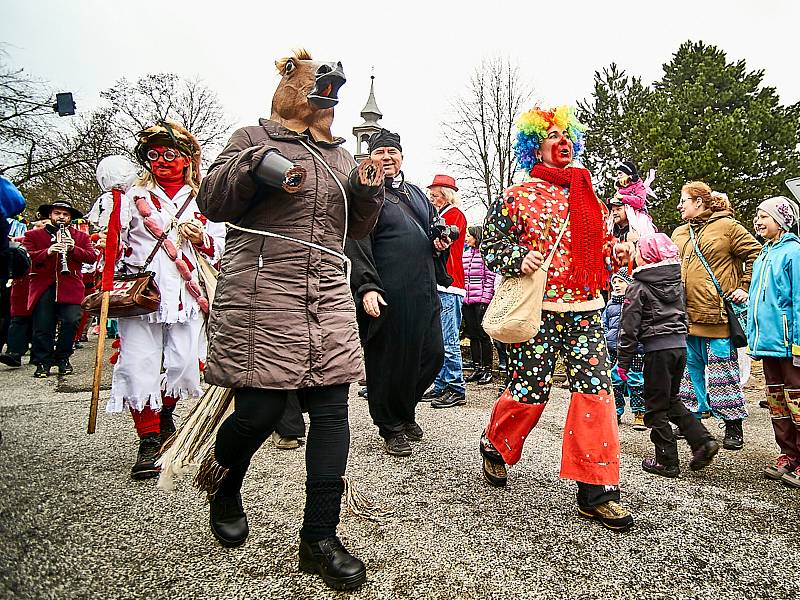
[403, 349]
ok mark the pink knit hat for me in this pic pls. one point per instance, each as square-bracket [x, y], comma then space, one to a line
[655, 247]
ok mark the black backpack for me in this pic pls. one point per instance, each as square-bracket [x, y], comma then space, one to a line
[14, 262]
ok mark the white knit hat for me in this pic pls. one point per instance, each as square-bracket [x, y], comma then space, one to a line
[783, 210]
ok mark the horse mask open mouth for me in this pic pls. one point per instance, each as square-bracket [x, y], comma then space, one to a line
[327, 81]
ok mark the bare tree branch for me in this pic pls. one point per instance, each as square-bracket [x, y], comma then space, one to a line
[477, 139]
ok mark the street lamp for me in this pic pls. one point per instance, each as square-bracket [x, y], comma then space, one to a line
[65, 105]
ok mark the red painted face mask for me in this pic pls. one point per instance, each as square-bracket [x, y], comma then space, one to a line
[556, 149]
[167, 171]
[561, 153]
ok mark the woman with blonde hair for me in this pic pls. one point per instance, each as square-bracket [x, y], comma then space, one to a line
[163, 231]
[717, 254]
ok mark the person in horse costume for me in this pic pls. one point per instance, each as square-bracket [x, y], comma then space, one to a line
[283, 318]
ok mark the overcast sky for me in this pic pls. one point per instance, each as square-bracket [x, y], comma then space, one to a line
[422, 52]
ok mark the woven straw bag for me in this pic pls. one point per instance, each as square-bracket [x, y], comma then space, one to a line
[515, 313]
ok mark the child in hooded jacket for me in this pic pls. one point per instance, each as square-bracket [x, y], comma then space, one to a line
[773, 329]
[654, 315]
[632, 388]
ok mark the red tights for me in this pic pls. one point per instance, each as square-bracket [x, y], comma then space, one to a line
[148, 421]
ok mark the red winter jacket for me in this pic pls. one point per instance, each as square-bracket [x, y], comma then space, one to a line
[46, 268]
[455, 264]
[19, 297]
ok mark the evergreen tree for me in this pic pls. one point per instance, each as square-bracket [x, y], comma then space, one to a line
[611, 117]
[706, 119]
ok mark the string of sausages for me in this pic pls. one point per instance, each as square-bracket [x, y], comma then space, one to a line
[169, 247]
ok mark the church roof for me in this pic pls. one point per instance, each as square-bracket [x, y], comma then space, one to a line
[371, 113]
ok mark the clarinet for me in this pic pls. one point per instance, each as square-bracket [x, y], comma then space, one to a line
[61, 233]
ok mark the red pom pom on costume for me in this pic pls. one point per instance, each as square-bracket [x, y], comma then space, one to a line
[114, 358]
[116, 344]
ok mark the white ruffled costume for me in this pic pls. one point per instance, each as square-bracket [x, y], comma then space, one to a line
[160, 352]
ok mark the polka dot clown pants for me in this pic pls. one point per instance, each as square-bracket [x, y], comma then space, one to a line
[590, 450]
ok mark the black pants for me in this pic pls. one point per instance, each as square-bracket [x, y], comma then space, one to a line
[255, 415]
[402, 359]
[292, 423]
[19, 335]
[480, 344]
[5, 310]
[46, 315]
[663, 370]
[590, 494]
[257, 412]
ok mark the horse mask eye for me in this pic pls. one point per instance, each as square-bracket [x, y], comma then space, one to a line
[289, 67]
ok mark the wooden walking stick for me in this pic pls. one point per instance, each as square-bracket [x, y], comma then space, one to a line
[107, 284]
[98, 364]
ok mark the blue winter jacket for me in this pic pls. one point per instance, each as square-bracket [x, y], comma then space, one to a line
[611, 316]
[773, 316]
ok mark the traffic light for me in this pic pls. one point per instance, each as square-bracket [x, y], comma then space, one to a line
[64, 105]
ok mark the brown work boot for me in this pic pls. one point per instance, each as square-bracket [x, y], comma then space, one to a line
[145, 465]
[494, 468]
[611, 514]
[638, 422]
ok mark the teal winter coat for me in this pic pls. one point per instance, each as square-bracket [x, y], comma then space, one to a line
[773, 316]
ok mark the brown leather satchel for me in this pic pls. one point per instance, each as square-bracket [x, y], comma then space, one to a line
[133, 295]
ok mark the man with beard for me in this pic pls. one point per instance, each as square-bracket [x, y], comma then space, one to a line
[56, 286]
[395, 273]
[621, 227]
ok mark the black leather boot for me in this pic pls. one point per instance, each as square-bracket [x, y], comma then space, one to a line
[734, 436]
[476, 375]
[227, 519]
[320, 550]
[167, 425]
[145, 465]
[486, 377]
[338, 568]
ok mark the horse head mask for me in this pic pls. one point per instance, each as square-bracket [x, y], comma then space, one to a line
[306, 94]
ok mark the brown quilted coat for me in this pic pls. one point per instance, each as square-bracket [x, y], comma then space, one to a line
[283, 316]
[730, 251]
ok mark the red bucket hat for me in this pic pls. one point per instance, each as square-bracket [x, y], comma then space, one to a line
[444, 181]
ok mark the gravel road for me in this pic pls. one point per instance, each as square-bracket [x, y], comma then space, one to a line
[73, 524]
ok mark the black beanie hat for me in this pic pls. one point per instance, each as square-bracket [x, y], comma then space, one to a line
[629, 169]
[384, 139]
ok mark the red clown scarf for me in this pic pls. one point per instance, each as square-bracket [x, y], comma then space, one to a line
[586, 223]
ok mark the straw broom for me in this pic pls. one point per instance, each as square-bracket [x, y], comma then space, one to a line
[193, 443]
[194, 440]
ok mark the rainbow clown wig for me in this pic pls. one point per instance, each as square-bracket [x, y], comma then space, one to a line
[532, 129]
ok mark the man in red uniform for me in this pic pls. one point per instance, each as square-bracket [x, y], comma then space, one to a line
[56, 286]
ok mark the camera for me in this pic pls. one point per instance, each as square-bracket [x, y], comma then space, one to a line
[442, 230]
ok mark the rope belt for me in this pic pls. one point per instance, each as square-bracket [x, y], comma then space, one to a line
[319, 247]
[345, 260]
